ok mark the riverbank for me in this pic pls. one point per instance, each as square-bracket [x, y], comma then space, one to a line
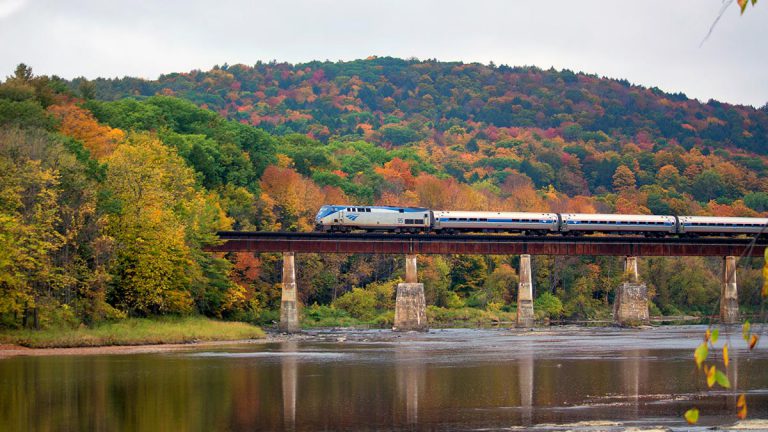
[132, 332]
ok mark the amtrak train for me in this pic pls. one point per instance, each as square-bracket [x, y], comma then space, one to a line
[343, 218]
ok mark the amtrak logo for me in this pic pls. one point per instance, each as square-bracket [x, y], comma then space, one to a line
[353, 217]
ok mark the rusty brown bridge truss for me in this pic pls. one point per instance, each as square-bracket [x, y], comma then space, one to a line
[368, 243]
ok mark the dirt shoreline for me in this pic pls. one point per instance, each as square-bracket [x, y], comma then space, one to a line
[7, 351]
[10, 350]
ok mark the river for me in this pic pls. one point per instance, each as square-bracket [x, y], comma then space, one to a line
[559, 378]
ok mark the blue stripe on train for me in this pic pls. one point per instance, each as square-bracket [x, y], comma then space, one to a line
[497, 221]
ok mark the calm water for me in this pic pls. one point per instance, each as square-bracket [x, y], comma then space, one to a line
[445, 380]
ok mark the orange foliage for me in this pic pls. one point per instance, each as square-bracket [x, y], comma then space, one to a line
[246, 268]
[581, 204]
[397, 175]
[292, 199]
[736, 209]
[626, 204]
[78, 123]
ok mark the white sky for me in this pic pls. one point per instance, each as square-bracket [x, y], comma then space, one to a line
[648, 42]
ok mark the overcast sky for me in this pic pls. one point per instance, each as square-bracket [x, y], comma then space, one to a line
[649, 42]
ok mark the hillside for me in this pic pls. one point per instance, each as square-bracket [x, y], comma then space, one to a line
[484, 124]
[429, 97]
[108, 202]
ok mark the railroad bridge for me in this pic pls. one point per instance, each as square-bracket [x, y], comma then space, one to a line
[630, 306]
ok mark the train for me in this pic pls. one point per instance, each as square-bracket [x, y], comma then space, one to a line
[347, 218]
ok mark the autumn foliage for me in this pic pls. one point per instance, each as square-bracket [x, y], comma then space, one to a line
[109, 205]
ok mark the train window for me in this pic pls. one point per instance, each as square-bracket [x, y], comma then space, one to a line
[453, 219]
[473, 219]
[401, 211]
[368, 210]
[483, 220]
[463, 219]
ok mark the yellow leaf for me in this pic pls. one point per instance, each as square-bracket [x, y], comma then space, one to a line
[710, 375]
[725, 355]
[707, 335]
[741, 404]
[764, 291]
[745, 327]
[715, 335]
[692, 416]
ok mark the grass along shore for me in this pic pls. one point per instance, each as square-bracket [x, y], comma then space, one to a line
[134, 331]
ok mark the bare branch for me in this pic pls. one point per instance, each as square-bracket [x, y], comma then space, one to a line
[726, 4]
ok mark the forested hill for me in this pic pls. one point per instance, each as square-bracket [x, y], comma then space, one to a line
[394, 101]
[111, 190]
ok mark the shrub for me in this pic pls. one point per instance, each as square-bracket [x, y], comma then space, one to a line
[326, 316]
[548, 306]
[385, 319]
[654, 310]
[453, 301]
[384, 293]
[359, 302]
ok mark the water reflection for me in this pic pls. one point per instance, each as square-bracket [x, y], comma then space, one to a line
[410, 373]
[289, 377]
[525, 373]
[446, 380]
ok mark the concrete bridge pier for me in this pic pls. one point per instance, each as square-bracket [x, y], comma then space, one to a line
[729, 300]
[630, 307]
[410, 306]
[525, 293]
[289, 312]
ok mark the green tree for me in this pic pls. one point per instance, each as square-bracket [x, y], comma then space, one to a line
[468, 273]
[757, 201]
[500, 284]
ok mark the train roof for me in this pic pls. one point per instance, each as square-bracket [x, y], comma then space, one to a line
[719, 219]
[379, 207]
[488, 213]
[609, 217]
